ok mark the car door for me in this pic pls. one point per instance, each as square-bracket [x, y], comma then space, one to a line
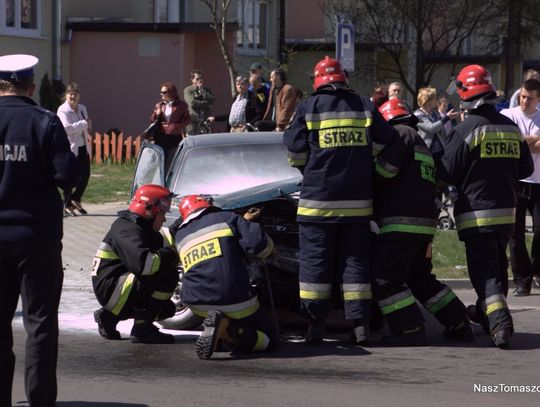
[150, 167]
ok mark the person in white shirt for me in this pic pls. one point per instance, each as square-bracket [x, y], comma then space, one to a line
[527, 116]
[74, 117]
[529, 74]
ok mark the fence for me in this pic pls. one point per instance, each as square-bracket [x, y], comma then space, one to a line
[115, 148]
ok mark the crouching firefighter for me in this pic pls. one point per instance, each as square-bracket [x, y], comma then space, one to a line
[136, 269]
[215, 285]
[484, 157]
[406, 214]
[332, 139]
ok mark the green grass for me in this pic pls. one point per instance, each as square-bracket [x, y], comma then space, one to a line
[449, 255]
[109, 183]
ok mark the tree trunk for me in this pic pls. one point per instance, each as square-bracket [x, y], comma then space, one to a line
[512, 49]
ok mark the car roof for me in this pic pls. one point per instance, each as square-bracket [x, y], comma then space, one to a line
[204, 140]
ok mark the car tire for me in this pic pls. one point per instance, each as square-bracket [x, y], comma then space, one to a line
[184, 318]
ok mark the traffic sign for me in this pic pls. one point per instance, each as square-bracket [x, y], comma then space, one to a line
[345, 45]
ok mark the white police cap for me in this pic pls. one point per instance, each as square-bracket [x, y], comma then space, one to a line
[16, 67]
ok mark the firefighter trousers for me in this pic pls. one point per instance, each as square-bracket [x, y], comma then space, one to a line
[402, 275]
[130, 292]
[335, 253]
[488, 271]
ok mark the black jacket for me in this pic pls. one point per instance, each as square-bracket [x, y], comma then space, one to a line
[484, 157]
[35, 160]
[405, 204]
[212, 249]
[130, 246]
[333, 137]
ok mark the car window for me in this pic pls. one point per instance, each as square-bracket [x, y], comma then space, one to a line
[149, 168]
[219, 170]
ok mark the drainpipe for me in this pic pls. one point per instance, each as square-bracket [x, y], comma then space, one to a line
[281, 33]
[57, 40]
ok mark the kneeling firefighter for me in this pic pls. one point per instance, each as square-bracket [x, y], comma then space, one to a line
[136, 269]
[406, 214]
[216, 285]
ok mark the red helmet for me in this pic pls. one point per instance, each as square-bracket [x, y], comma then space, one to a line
[393, 108]
[327, 71]
[473, 82]
[150, 199]
[190, 203]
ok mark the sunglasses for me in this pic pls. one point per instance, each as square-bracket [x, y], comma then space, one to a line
[163, 92]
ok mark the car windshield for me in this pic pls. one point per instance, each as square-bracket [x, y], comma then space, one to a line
[216, 170]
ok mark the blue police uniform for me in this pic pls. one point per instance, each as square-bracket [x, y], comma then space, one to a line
[35, 160]
[333, 138]
[212, 245]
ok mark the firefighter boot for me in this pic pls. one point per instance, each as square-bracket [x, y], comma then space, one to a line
[501, 338]
[107, 321]
[410, 337]
[478, 317]
[315, 332]
[167, 310]
[144, 331]
[461, 332]
[215, 332]
[360, 334]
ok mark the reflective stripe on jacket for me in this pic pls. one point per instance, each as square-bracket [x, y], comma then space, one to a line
[333, 137]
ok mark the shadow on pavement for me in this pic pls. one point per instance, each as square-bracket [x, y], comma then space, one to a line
[96, 404]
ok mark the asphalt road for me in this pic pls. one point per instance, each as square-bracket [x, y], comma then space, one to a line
[94, 372]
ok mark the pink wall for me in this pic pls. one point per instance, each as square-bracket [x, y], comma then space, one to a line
[120, 87]
[304, 19]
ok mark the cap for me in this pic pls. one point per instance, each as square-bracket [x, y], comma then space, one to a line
[18, 66]
[255, 65]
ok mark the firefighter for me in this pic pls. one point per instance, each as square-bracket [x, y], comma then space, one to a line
[332, 139]
[484, 157]
[406, 215]
[135, 269]
[213, 245]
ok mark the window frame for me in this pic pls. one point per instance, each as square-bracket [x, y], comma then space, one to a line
[252, 22]
[19, 31]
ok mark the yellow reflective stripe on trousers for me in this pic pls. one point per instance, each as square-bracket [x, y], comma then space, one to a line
[396, 302]
[262, 341]
[440, 300]
[494, 303]
[352, 292]
[486, 217]
[309, 207]
[315, 291]
[120, 293]
[235, 311]
[151, 264]
[161, 295]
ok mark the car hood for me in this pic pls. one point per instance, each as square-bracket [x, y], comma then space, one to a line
[259, 193]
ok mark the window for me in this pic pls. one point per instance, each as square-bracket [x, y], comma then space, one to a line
[161, 11]
[252, 36]
[20, 17]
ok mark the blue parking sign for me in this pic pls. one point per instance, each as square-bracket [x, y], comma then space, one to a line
[345, 45]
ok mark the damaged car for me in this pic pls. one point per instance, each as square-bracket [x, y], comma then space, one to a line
[237, 171]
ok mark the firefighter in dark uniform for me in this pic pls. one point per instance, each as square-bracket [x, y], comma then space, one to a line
[332, 139]
[406, 215]
[213, 245]
[35, 160]
[484, 157]
[135, 269]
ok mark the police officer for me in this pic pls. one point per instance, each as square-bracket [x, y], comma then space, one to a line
[484, 157]
[35, 160]
[332, 139]
[216, 285]
[135, 269]
[406, 215]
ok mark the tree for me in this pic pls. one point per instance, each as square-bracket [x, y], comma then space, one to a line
[415, 34]
[219, 16]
